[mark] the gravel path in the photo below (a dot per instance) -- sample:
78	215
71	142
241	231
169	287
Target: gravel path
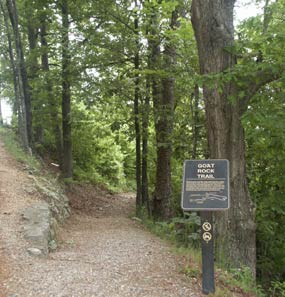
102	252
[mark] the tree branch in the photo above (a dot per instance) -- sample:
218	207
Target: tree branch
260	79
123	22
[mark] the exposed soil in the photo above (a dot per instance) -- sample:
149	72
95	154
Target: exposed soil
102	250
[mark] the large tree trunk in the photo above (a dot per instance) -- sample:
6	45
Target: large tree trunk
66	94
13	14
213	26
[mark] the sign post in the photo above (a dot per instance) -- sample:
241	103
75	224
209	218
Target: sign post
208	281
206	189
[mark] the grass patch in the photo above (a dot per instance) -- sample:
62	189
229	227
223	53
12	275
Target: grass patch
184	234
239	281
193	253
12	145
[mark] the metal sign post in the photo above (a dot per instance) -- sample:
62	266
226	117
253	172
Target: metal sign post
206	189
207	234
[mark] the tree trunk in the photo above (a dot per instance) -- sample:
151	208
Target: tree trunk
19	103
163	127
164	113
66	94
13	14
161	195
53	108
145	123
33	68
213	26
137	117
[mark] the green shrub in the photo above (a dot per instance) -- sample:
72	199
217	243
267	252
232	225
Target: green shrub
277	289
98	157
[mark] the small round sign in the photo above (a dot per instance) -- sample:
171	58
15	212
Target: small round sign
207	226
207	236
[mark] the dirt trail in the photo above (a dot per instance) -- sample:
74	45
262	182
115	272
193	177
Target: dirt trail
102	252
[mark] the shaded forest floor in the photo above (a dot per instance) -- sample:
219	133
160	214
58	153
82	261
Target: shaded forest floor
102	251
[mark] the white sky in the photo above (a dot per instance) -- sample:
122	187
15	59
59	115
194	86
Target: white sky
243	9
6	111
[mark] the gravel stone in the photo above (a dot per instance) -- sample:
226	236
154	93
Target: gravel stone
35	252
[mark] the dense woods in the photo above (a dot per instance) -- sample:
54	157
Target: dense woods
120	93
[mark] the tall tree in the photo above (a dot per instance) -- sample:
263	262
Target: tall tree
19	102
214	31
155	53
137	112
145	125
13	15
66	93
32	24
163	97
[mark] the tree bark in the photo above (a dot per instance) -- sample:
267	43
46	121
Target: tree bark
159	200
32	69
213	26
145	124
137	116
13	14
195	117
19	103
164	113
66	94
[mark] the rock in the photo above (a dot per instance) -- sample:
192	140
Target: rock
37	213
34	252
37	228
52	245
53	229
43	217
55	197
136	219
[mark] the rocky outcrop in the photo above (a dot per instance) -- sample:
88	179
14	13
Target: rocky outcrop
42	218
37	227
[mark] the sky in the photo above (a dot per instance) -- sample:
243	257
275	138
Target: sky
6	111
244	9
